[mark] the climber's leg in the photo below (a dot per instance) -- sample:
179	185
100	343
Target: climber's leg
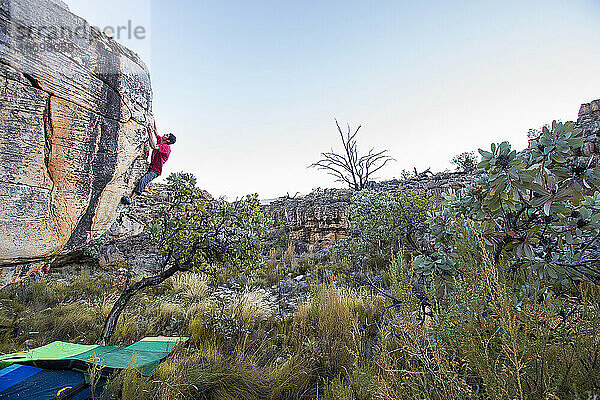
141	186
146	179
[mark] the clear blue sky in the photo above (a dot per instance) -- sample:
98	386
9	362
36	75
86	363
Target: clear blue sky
251	88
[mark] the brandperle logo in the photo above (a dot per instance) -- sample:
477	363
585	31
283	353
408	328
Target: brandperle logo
126	31
61	38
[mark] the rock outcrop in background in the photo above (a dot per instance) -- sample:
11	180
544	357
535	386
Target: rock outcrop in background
589	122
314	221
311	223
73	108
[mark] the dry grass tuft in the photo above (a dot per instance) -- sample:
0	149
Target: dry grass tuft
193	286
206	306
166	312
252	307
327	327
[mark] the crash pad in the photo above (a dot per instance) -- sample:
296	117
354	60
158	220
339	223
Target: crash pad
144	355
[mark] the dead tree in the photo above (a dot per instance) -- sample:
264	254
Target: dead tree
349	167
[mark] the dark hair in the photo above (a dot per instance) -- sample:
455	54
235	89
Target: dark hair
172	138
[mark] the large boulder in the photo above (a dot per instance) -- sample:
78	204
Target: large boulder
73	110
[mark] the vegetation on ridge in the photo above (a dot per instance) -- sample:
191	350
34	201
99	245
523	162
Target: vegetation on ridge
493	295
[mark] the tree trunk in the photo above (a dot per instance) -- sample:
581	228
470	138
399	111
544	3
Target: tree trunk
113	316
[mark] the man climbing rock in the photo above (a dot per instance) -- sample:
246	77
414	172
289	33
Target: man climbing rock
161	149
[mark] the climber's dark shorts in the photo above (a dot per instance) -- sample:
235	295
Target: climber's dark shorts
146	179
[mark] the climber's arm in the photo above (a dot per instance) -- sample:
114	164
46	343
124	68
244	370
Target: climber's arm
152	138
158	137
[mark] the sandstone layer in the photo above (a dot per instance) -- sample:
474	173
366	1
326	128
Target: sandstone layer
73	108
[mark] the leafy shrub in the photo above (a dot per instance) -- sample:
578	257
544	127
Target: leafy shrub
517	343
381	222
537	209
193	233
411	362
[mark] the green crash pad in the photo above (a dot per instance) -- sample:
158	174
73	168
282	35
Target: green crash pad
144	355
52	351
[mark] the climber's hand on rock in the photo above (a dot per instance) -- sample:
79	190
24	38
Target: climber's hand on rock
153	140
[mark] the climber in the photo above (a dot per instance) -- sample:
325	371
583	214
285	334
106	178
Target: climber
161	149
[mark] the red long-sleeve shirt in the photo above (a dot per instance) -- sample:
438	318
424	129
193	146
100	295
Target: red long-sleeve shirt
160	156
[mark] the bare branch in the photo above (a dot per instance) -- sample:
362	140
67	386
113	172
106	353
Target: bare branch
349	167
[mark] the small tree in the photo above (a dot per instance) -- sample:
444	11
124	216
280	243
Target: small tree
195	233
465	162
382	222
350	167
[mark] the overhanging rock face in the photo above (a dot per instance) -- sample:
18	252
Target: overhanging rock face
73	110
